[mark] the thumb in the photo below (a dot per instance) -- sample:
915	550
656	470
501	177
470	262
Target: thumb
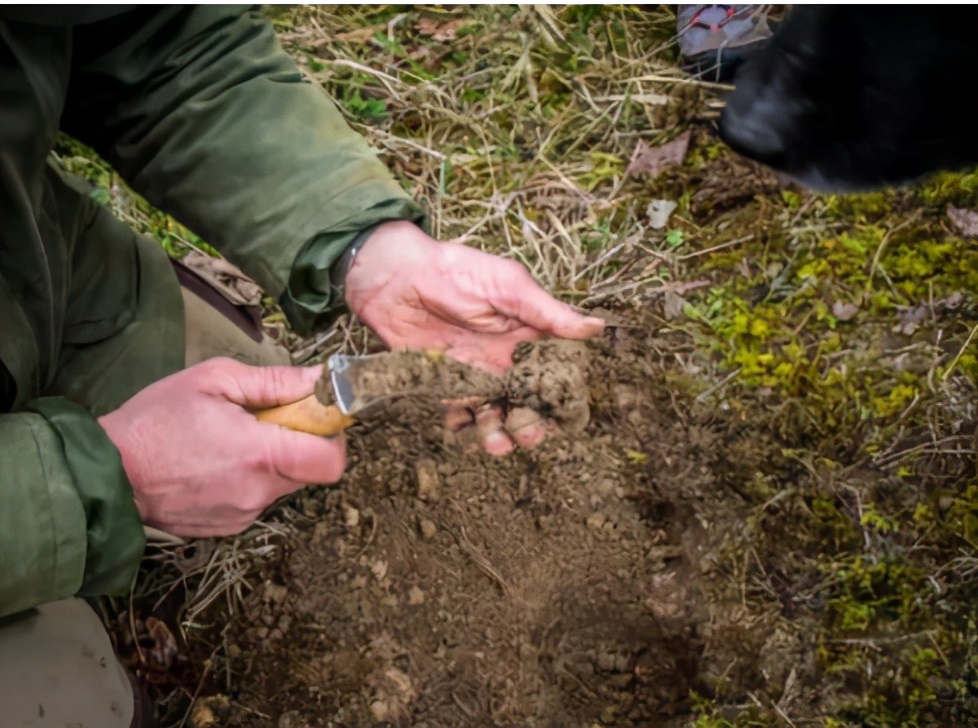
527	301
300	458
251	386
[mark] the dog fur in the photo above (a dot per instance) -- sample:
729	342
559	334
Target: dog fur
858	97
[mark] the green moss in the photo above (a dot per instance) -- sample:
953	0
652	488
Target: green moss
860	208
873	594
959	189
831	527
888	630
900	698
601	168
700	156
707	714
962	517
889	626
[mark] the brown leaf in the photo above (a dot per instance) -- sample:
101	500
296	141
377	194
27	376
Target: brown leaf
426	26
214	710
163	650
844	311
361	35
910	319
440	31
653	161
964	221
952	302
673	305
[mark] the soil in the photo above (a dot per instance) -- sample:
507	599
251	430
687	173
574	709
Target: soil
426	378
555	587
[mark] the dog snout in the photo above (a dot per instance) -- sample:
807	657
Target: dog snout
752	124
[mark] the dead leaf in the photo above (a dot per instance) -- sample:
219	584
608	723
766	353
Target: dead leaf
210	711
912	317
964	221
844	311
653	161
361	35
659	212
163	651
952	302
227	278
426	26
673	305
442	32
910	321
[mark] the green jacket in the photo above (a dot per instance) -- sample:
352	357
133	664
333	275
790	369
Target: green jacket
202	112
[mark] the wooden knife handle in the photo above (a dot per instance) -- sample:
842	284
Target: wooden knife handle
307	415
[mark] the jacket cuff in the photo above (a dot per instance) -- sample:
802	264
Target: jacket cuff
311	300
114	531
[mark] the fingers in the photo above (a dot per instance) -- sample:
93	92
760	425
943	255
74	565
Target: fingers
524	299
489	430
492	436
282	463
478	429
458	416
526	426
299	458
258	386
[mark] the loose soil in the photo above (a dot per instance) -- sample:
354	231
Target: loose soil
424	377
558	587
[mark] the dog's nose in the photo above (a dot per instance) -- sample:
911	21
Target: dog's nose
751	124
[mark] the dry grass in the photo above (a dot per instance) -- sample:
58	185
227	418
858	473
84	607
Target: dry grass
512	154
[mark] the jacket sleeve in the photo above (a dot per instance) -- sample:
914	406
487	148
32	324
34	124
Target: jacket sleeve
68	523
204	114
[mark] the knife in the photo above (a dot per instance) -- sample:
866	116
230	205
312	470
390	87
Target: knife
351	384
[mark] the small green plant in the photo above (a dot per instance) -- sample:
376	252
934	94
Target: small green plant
707	714
366	110
675	238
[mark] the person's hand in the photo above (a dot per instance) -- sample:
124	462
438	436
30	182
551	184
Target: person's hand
418	293
199	462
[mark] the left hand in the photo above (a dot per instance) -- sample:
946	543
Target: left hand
418	293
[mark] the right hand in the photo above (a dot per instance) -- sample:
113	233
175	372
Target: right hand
199	462
417	293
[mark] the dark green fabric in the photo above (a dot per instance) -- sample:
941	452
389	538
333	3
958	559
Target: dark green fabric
42	520
33	253
123	324
204	114
114	535
61	14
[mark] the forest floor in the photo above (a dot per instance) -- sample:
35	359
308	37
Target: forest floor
765	510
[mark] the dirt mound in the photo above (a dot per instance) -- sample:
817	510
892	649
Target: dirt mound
557	587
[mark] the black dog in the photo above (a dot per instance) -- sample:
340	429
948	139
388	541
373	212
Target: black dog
856	97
